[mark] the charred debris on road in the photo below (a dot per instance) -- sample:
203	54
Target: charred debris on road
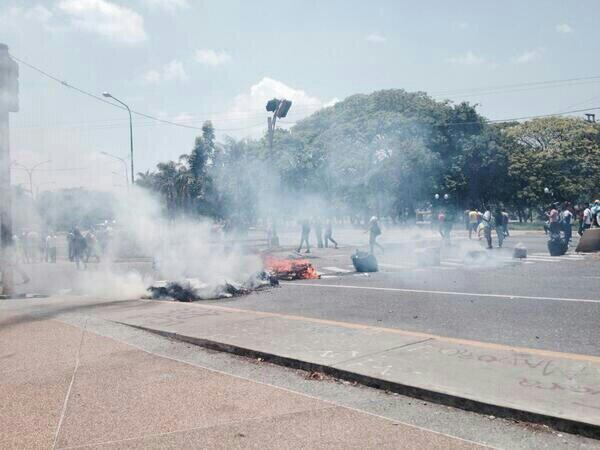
275	269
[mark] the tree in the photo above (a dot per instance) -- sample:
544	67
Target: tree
558	153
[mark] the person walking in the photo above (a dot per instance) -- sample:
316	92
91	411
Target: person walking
304	237
374	231
329	233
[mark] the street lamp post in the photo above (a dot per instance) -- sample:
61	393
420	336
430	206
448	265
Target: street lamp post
124	165
30	171
109	95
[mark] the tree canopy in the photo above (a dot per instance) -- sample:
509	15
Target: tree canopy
383	153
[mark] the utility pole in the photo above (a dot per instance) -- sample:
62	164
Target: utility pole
9	102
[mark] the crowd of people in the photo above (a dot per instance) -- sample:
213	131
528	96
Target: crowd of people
560	218
484	223
324	235
32	247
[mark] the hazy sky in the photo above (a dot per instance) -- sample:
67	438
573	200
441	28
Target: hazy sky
188	61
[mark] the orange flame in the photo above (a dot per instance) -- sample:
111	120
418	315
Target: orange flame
290	269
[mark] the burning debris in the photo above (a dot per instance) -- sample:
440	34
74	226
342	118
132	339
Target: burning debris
192	289
290	269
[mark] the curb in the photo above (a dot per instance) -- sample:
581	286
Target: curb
443	398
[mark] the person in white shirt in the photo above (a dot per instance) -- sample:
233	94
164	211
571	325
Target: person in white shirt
566	217
486	220
586	220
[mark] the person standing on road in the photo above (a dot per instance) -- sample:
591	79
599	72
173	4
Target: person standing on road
554	220
505	220
473	221
51	248
304	237
486	221
79	246
499	222
329	234
374	231
566	219
586	220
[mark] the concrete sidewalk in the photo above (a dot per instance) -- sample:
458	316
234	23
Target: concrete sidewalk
65	387
558	389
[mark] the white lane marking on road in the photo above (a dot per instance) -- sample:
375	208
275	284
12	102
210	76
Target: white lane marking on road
466	294
567	256
537	258
337	269
450	263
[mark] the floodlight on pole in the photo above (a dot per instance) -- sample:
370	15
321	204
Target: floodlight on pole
279	108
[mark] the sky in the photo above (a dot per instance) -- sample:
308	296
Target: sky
188	61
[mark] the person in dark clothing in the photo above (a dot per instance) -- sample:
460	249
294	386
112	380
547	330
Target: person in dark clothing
566	219
499	223
305	236
374	231
79	247
329	233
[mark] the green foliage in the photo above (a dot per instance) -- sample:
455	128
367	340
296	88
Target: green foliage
382	154
560	153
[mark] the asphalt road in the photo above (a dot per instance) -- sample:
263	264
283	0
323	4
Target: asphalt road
541	302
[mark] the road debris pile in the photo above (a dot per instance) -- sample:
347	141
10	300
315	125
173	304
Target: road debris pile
192	289
289	268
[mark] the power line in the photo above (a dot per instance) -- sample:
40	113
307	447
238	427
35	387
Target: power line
473	92
141	114
515	85
96	97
